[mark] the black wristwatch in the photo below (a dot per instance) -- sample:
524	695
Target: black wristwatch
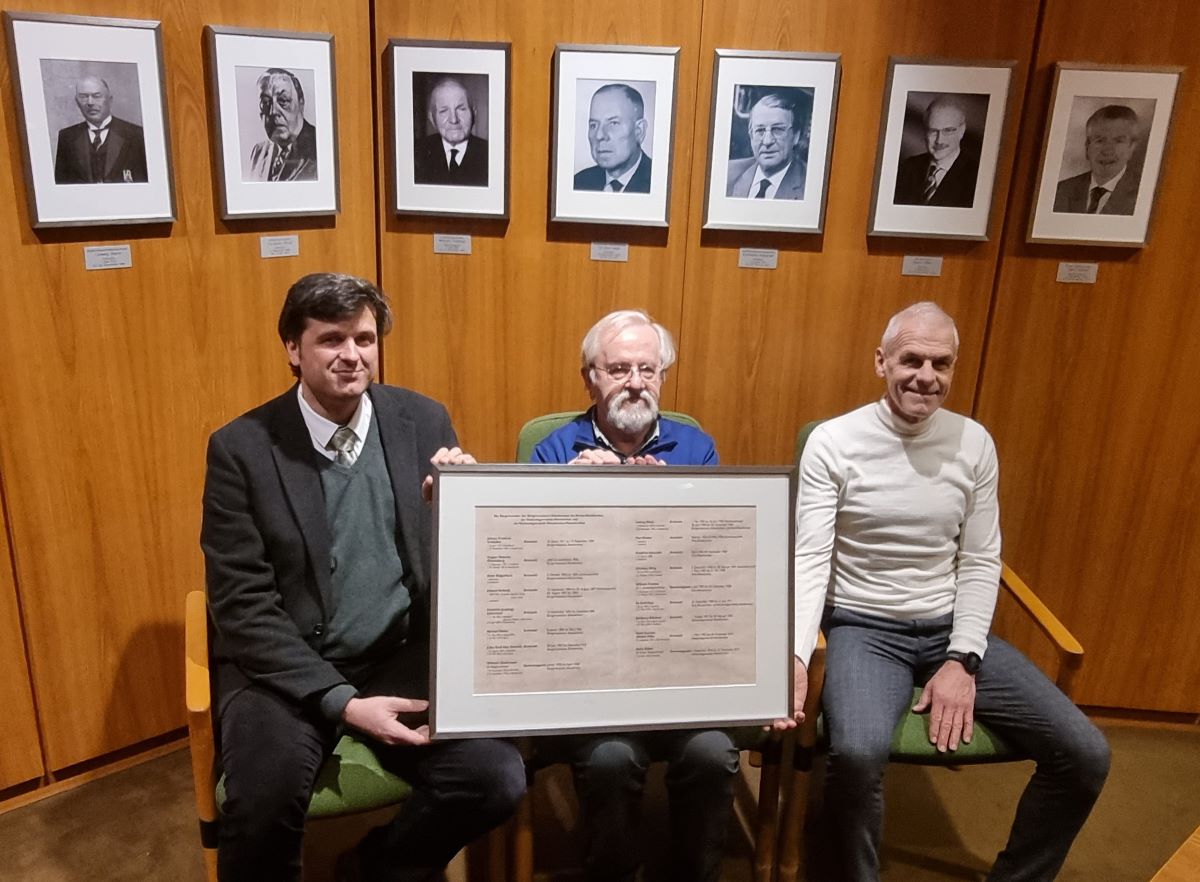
969	660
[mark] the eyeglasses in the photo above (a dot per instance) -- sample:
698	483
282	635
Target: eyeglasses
622	372
777	132
948	132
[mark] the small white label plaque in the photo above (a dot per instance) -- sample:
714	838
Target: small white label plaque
614	251
96	257
450	243
1078	273
915	265
758	258
278	246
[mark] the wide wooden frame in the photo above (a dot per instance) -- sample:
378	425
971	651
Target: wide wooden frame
485	71
237	58
579	72
465	703
983	90
1079	90
743	77
46	51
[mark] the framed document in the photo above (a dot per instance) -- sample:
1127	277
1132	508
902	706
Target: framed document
591	599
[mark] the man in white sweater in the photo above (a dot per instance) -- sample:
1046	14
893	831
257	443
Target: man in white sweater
898	560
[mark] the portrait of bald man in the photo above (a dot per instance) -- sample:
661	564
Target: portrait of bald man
452	154
946	172
102	148
1110	185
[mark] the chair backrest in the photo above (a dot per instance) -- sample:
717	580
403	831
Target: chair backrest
802	436
537	429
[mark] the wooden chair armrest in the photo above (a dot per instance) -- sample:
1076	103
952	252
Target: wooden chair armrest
198	694
806	735
1070	651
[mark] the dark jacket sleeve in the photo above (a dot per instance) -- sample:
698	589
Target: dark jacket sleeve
260	637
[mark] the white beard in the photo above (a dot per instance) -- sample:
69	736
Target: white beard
637	416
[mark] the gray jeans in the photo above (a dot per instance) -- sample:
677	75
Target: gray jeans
872	666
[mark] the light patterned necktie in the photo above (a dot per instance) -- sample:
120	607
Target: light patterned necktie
931	182
343	443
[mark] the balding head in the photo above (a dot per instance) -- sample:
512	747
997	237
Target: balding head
94	99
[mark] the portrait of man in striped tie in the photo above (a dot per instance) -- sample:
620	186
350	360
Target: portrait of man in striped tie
1110	184
289	152
945	173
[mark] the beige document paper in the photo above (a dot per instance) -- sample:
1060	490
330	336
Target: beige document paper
574	598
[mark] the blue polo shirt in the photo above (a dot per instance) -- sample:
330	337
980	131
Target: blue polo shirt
675	443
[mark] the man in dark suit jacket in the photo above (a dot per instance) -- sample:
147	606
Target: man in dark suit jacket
779	139
289	152
451	155
102	149
316	544
1111	186
947	173
616	128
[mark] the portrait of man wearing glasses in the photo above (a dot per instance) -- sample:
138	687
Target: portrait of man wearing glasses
624	362
289	152
945	173
779	139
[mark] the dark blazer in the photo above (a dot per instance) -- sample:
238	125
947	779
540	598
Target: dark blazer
741	176
957	189
124	155
594	178
266	539
1072	194
429	163
301	162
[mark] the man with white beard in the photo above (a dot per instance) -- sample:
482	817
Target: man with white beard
625	358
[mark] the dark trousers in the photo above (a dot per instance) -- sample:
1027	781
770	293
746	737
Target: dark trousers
271	750
610	773
872	665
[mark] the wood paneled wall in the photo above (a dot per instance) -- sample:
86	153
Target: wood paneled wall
121	375
1090	394
496	335
20	754
771	350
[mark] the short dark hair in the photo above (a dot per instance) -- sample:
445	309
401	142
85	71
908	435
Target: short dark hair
1114	112
634	96
330	297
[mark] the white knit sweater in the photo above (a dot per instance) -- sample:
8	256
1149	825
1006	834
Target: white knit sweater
900	521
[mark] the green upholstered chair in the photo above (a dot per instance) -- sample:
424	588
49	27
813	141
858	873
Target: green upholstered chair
534	431
910	740
765	749
350	782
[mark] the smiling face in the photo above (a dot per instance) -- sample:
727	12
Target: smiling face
337	362
944	130
773	136
281	109
918	366
93	99
615	131
626	408
450	112
1110	144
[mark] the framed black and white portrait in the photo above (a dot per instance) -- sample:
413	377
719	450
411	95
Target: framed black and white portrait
1102	154
940	135
614	112
771	140
274	110
449	127
93	118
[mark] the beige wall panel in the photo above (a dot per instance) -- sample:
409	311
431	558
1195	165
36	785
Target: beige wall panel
496	335
20	756
123	375
1090	394
763	352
